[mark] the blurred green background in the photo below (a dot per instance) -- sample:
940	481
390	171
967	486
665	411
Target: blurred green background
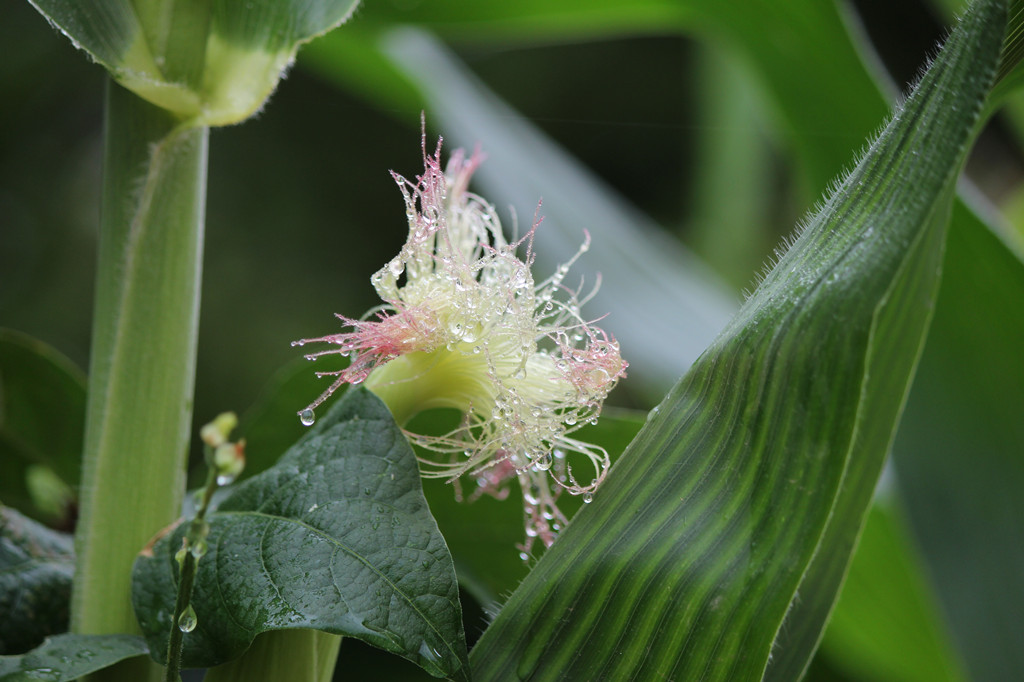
301	209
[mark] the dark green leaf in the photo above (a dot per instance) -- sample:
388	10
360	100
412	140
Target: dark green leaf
68	657
42	415
336	537
753	480
36	565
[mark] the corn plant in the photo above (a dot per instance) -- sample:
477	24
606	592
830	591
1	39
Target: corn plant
814	479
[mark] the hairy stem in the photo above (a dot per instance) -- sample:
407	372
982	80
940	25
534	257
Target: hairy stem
142	366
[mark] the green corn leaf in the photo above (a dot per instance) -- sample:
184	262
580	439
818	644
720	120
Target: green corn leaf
42	416
64	658
36	565
336	537
719	541
212	63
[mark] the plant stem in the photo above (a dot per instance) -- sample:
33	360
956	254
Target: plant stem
142	366
189	562
177	635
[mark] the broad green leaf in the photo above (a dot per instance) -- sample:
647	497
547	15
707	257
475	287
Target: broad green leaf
211	63
336	537
42	415
886	576
64	658
36	565
752	479
944	439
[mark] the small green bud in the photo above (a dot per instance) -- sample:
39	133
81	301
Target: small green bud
216	432
229	459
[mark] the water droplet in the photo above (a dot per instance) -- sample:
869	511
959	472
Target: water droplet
187	621
307	417
544	463
300	342
225	479
524	556
570	419
588	498
199	548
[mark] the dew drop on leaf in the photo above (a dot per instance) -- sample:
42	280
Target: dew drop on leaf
307	417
